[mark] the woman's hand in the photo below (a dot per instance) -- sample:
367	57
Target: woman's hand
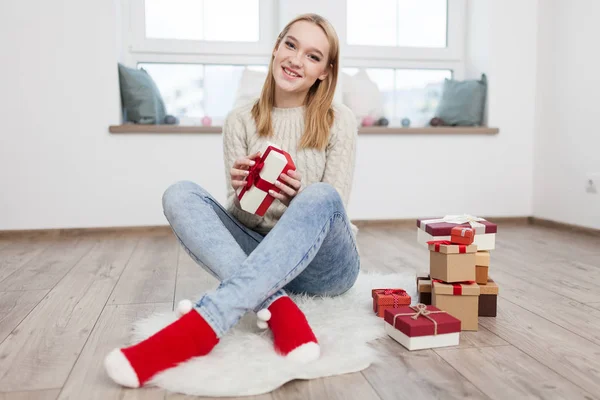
289	189
240	168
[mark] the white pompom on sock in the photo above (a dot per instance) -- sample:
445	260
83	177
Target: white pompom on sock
184	307
263	316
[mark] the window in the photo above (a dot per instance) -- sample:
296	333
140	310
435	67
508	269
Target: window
198	51
407	48
209	20
404	23
192	91
424	30
218	27
206	56
407	93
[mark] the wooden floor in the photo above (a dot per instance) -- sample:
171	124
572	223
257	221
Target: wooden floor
66	301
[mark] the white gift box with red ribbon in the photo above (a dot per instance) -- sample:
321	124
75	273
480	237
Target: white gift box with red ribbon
254	197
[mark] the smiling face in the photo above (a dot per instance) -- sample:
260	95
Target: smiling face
300	59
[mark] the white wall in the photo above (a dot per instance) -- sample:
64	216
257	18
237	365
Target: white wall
59	165
61	168
567	138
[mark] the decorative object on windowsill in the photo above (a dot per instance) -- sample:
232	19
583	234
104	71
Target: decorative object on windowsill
362	95
249	88
368	121
462	102
140	98
206	121
171	120
382	122
405	122
435	121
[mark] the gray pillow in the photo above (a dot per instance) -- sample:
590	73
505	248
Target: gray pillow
462	102
141	99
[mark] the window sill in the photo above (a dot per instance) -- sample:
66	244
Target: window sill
371	130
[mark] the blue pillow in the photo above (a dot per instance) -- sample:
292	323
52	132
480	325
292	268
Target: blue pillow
140	97
463	102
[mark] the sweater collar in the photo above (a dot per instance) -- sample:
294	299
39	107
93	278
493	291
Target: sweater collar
289	112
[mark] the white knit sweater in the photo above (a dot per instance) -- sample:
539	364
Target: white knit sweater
334	165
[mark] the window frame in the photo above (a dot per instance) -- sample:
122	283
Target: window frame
139	44
141	49
454	50
456	67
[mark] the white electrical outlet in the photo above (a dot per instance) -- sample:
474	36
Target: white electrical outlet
592	183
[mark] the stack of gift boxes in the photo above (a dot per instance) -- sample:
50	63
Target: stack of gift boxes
455	293
459	262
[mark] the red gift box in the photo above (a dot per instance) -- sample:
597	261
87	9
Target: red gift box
442	228
436	322
254	196
429	229
462	235
384	299
422	327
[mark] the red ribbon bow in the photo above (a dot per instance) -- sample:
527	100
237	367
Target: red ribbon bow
447	242
254	179
396	293
456	286
254	173
461	247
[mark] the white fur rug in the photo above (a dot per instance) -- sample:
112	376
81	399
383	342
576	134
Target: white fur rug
245	363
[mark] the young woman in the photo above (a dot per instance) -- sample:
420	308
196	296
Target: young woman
303	244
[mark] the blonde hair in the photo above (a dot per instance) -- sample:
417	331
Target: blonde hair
319	112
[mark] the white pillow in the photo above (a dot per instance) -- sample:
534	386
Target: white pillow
250	86
362	95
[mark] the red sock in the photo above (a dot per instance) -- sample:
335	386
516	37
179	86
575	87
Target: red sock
189	336
292	334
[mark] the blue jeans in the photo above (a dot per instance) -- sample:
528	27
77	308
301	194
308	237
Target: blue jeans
310	250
